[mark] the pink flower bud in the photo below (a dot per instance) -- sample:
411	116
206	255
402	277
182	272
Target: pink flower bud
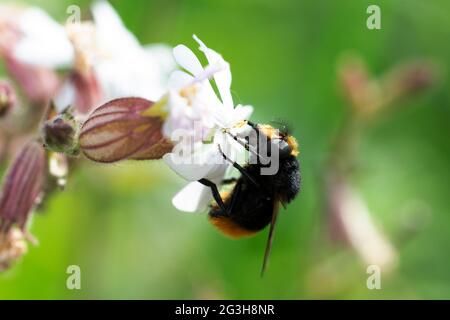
119	130
360	89
7	98
22	186
410	78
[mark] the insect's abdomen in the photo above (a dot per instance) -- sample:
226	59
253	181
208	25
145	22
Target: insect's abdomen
252	212
229	227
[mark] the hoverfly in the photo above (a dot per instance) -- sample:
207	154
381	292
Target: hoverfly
253	202
117	130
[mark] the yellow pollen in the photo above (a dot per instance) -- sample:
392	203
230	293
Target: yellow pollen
293	144
189	93
240	124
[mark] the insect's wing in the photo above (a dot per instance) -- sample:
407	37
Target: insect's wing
276	210
119	130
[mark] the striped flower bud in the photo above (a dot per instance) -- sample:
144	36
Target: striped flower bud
127	128
22	188
60	134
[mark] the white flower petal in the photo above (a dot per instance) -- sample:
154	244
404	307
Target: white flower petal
200	105
197	160
190	172
122	66
112	35
121	77
65	96
194	197
179	79
223	77
187	59
44	42
163	55
198	165
231	148
242	113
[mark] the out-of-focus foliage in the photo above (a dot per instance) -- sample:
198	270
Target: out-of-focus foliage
117	222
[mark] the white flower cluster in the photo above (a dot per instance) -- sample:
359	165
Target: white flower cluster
105	61
198	120
103	56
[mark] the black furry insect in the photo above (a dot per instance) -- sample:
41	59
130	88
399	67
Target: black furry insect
253	202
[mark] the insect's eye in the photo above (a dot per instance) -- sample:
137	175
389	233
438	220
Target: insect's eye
284	150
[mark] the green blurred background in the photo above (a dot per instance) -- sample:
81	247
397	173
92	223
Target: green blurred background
117	222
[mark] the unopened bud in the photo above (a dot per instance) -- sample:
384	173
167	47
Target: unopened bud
409	78
7	98
124	129
21	191
22	186
360	89
60	134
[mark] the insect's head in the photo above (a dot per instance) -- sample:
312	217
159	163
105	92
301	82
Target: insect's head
281	139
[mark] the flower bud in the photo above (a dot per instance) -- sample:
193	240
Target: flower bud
7	98
22	186
59	134
21	190
409	78
124	129
361	91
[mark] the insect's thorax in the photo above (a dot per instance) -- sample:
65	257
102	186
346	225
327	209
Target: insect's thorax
287	180
251	207
284	184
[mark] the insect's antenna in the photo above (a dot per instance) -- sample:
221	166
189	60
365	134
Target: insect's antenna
239	140
248	147
236	138
243	143
270	238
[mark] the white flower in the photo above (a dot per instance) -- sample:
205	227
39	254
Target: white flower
43	42
123	67
26	25
198	116
103	52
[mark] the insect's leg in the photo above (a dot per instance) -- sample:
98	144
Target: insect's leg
235	196
239	140
253	125
246	144
228	181
239	167
215	193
